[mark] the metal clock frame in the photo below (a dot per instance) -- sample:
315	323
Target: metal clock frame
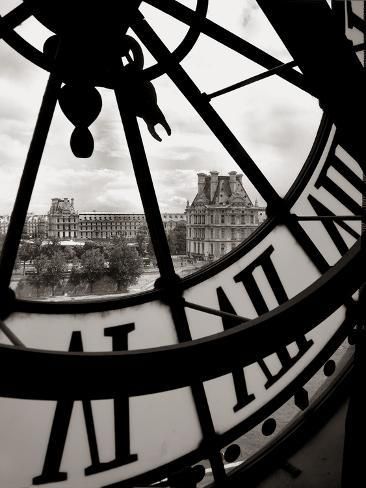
147	371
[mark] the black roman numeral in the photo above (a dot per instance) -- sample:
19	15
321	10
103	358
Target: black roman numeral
331	227
251	286
324	181
241	390
354	21
51	469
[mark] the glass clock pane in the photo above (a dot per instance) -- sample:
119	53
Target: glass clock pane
85	219
155	424
263	385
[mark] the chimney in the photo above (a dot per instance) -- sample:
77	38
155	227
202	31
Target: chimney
214	183
201	181
239	178
54	203
72	203
232	181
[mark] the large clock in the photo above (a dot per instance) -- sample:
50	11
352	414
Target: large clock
168	383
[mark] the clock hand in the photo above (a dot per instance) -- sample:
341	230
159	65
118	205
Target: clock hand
141	94
145	106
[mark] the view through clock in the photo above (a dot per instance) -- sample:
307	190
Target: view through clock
151	339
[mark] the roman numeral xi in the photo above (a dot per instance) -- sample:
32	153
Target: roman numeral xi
51	468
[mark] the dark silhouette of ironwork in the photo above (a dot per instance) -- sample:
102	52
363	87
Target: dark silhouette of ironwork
91	49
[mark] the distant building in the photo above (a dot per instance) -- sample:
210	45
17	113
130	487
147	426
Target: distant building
4	223
63	220
67	223
106	225
36	226
221	215
170	220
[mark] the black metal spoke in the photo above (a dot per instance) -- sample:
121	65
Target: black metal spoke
230	40
251	80
276	206
15	17
146	188
169	280
336	218
10	335
202	106
212	311
185	46
360	47
328	63
26	185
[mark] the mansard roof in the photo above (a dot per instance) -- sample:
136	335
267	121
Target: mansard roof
62	205
239	197
202	197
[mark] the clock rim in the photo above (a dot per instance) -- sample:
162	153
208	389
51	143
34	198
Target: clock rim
266	459
147	367
302	423
232	434
214	270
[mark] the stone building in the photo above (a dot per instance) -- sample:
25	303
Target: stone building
66	223
221	215
63	220
4	223
170	220
106	225
36	226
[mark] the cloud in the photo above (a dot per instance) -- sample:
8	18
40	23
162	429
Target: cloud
249	13
10	148
274	121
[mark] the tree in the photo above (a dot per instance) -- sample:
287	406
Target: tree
25	253
125	265
177	239
70	253
80	250
54	270
52	246
48	271
150	250
76	276
37	279
37	248
141	240
92	266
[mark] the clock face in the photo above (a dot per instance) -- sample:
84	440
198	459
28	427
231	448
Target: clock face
137	389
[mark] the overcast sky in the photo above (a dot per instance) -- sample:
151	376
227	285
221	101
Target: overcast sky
274	121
